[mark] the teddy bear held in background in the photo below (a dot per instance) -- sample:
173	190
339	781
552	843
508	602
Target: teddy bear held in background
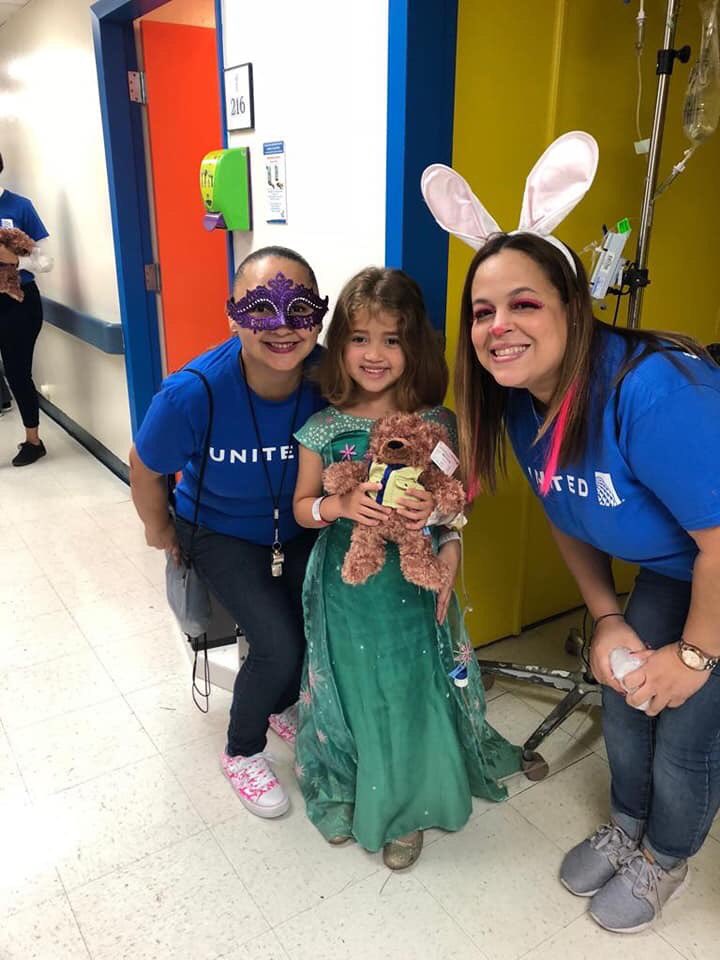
21	245
399	457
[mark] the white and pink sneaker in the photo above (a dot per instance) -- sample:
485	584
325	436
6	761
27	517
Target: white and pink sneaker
285	724
256	785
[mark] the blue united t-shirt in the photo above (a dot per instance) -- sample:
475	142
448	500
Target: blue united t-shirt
651	473
235	499
17	211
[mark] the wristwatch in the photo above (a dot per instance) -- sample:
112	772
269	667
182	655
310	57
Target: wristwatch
694	657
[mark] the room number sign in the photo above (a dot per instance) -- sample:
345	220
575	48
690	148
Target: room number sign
239	108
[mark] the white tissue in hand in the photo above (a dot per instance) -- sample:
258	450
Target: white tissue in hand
623	662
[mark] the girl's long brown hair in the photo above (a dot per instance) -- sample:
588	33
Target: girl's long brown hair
424	380
481	403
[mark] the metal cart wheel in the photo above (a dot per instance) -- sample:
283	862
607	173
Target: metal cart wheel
534	766
488	680
574	642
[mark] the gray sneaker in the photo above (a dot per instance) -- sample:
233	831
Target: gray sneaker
589	865
630	901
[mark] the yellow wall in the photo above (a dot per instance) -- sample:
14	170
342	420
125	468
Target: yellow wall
526	72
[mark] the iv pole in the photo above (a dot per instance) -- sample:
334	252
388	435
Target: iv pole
637	275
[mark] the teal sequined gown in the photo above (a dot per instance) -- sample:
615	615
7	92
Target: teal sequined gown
386	743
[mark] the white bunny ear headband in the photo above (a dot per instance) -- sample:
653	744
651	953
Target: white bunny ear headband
555	185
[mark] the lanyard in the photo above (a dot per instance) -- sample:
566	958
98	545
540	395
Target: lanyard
278	557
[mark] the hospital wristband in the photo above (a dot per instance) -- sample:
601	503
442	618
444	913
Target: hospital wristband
315	511
447	536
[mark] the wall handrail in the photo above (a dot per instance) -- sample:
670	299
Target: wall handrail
102	334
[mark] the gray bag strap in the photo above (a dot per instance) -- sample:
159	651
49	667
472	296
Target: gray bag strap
204	694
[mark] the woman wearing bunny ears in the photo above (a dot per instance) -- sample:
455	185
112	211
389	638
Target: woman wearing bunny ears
618	433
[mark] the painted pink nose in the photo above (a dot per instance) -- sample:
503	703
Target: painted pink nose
499	326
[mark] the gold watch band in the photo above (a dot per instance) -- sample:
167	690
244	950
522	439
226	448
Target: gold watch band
694	658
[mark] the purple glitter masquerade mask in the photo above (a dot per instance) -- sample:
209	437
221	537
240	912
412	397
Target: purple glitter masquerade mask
292	305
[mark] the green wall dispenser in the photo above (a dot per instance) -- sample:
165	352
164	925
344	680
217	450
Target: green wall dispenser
225	189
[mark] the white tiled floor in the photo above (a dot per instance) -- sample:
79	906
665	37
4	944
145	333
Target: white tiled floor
119	837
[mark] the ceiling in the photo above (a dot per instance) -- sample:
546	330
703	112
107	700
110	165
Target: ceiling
201	13
9	7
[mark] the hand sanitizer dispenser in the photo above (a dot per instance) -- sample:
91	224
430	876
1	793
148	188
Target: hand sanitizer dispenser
225	189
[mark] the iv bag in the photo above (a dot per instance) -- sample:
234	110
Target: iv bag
701	110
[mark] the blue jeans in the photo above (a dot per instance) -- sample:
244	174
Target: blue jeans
665	770
269	611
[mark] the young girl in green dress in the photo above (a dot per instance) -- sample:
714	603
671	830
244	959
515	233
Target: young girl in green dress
387	745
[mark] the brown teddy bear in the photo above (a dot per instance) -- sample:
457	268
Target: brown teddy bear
400	449
21	245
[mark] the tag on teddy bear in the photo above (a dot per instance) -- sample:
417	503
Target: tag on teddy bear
443	457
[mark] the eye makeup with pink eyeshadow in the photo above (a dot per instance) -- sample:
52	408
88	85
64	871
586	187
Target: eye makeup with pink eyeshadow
482	313
522	304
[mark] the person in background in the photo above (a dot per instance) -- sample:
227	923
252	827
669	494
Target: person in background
21	321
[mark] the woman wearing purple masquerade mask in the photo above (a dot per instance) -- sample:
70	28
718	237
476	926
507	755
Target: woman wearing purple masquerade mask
294	305
246	545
